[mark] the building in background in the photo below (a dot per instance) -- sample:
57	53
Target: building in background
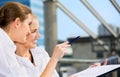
102	31
37	8
26	2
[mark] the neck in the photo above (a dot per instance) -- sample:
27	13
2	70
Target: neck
22	50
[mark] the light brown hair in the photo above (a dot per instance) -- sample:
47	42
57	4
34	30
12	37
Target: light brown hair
11	10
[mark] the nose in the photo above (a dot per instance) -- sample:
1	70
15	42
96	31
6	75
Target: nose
38	34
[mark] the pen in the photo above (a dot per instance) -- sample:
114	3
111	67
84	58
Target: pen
71	41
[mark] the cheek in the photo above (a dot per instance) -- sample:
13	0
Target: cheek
26	28
31	37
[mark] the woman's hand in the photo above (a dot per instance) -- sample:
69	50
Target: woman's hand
98	64
60	50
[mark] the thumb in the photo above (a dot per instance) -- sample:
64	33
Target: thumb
105	62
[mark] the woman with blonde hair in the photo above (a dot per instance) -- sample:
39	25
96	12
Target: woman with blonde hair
35	59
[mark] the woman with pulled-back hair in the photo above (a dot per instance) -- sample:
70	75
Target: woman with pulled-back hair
15	19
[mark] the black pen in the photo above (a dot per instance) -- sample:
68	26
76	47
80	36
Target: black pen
71	41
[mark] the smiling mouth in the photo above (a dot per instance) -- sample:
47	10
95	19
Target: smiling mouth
35	41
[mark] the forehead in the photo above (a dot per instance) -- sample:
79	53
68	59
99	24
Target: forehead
34	24
29	18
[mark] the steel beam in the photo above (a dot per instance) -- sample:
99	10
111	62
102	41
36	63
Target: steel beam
81	24
115	5
92	10
50	25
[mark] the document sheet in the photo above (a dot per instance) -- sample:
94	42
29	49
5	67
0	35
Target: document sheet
97	71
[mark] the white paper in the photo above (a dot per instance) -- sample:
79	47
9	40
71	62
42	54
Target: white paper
96	71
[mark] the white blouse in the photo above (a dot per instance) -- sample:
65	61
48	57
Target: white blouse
41	59
9	66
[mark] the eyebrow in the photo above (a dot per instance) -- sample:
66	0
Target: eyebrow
30	22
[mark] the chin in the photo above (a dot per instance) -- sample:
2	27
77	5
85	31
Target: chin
21	41
33	46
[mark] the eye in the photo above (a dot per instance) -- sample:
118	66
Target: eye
33	31
29	23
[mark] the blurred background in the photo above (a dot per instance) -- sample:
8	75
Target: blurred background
97	22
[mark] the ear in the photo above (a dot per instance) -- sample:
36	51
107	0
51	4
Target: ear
17	22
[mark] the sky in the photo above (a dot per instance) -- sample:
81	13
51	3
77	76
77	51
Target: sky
68	28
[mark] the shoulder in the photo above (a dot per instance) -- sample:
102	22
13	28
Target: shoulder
39	51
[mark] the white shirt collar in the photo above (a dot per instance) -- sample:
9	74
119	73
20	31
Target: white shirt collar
5	39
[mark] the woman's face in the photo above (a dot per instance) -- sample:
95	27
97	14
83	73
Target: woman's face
24	29
34	35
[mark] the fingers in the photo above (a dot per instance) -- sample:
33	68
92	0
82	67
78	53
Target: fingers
94	65
105	62
65	44
60	50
